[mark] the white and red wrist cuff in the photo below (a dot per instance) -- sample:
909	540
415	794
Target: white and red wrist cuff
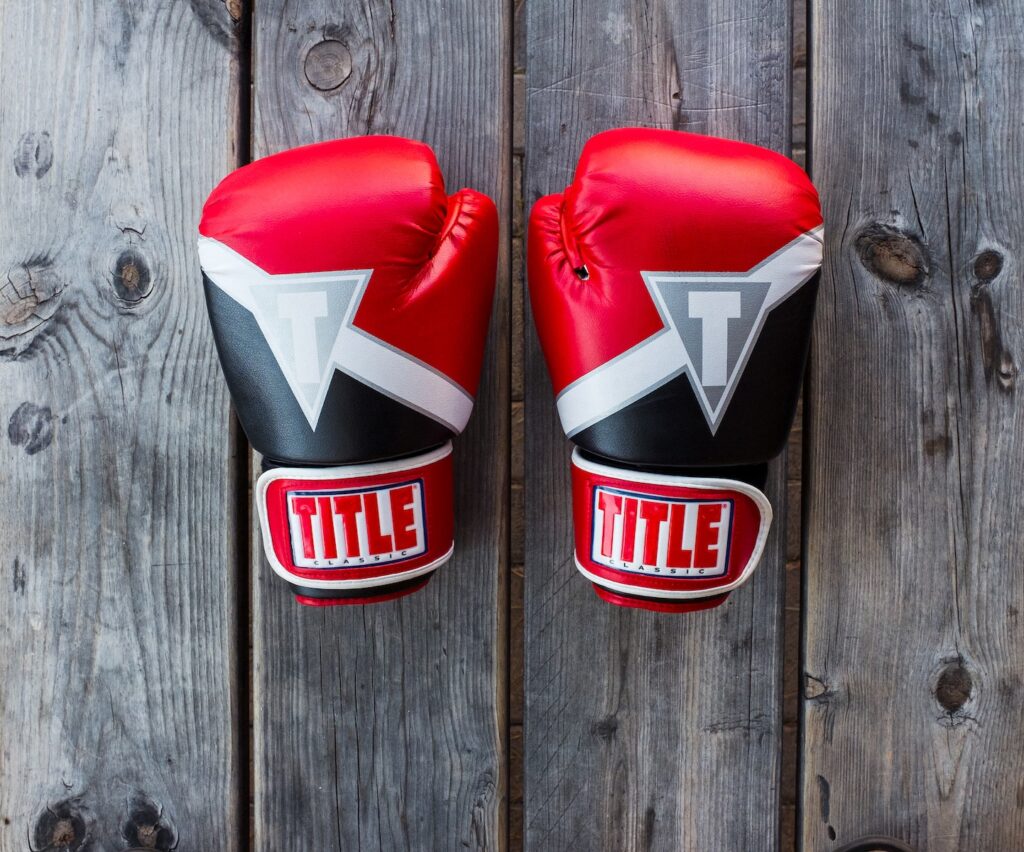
665	543
358	533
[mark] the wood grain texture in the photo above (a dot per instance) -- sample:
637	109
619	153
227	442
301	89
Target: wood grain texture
384	727
117	614
914	649
645	731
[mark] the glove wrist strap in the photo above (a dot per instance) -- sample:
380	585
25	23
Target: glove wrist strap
358	533
662	542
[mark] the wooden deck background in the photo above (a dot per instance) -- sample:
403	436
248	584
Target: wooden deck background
160	690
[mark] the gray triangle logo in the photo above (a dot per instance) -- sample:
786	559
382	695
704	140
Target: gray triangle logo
308	321
302	319
718	319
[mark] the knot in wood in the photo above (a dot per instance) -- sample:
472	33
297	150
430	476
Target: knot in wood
328	64
954	686
62	826
893	255
64	833
606	728
34	155
19	311
31	427
29	296
132	281
816	689
146	826
987	265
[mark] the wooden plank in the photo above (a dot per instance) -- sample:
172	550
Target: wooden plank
645	731
384	727
118	656
914	650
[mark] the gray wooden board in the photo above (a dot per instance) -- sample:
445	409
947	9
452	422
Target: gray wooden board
914	644
384	727
118	661
645	731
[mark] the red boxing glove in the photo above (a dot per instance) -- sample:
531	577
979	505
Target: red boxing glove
349	297
673	286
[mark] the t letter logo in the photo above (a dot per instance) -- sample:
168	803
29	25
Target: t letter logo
714	310
302	310
717	319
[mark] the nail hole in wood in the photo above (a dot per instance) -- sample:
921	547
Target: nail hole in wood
328	64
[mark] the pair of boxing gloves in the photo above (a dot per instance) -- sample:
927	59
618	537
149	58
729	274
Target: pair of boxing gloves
672	285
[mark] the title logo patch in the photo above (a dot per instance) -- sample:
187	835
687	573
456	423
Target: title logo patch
644	534
356	527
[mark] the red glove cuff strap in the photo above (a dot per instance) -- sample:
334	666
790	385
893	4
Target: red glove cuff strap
358	527
664	542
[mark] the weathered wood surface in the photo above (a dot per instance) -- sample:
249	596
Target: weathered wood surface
914	649
385	727
118	655
645	731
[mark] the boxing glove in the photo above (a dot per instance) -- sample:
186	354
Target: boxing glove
349	298
672	286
